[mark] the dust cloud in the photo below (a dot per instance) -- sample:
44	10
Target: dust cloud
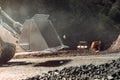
83	25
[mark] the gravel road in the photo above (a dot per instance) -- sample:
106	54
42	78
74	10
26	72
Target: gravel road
18	69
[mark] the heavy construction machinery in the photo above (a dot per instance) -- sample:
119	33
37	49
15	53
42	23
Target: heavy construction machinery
36	34
95	46
82	45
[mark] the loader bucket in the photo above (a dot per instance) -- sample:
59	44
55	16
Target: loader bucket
39	34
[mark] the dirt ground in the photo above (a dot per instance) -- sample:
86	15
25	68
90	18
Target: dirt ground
23	67
62	53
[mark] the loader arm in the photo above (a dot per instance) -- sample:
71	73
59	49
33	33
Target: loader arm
16	28
36	34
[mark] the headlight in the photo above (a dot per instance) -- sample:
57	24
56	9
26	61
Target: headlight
85	46
81	46
78	46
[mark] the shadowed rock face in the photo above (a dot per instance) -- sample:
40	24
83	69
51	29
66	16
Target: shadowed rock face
7	51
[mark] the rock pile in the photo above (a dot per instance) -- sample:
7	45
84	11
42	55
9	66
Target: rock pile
116	45
107	71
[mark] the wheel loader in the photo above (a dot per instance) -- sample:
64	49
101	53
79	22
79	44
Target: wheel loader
35	34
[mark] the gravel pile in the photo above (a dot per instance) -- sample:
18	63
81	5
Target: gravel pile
115	47
107	71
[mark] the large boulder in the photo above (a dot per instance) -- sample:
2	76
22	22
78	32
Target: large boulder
7	51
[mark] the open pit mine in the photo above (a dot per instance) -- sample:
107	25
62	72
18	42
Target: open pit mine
35	51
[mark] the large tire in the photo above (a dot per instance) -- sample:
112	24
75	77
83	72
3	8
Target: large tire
7	51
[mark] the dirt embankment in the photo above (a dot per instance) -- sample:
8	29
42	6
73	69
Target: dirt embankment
116	45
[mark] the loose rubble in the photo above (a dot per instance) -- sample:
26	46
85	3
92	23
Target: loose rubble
107	71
